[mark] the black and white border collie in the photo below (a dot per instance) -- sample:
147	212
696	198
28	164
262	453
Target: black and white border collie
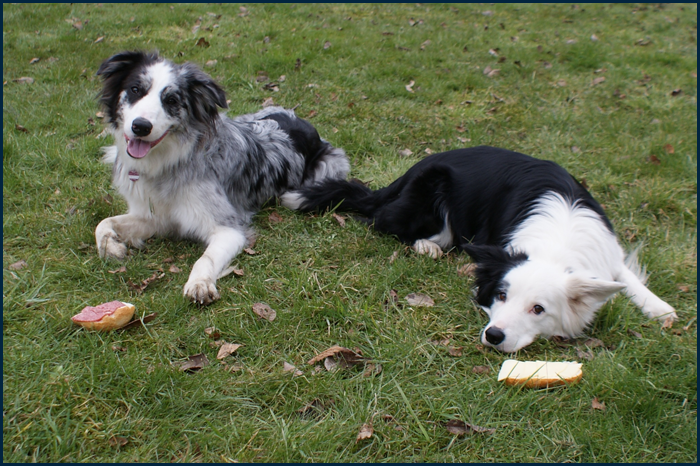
547	257
188	171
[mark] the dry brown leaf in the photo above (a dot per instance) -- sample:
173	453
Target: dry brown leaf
138	288
405	152
250	251
633	333
227	349
593	343
274	217
118	348
312	114
455	350
668	323
344	355
137	322
598	80
312	409
420	299
24	80
212	333
588	354
684	288
99	39
481	370
19	265
117	441
326	45
669	149
21	128
674	93
339	219
443	342
121	269
425	44
289	368
467	270
595	404
366	432
211	63
409	86
78	25
34	60
458	427
654	159
428	150
372	369
264	311
174	269
202	42
268	102
193	363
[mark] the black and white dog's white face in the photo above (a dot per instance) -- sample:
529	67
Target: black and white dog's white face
147	98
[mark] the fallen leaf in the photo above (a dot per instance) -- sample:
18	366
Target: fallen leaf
668	323
457	427
330	364
669	149
19	265
428	150
595	404
455	351
78	25
202	42
481	370
312	114
409	86
393	257
117	441
250	251
21	128
312	409
345	356
264	311
274	217
99	39
326	45
460	128
643	42
593	343
493	53
419	299
491	72
34	60
227	349
243	11
289	368
372	369
684	288
193	363
405	152
588	354
144	283
575	149
366	432
118	348
654	159
268	102
561	83
282	78
467	270
594	38
339	219
597	80
211	63
212	333
137	322
633	333
121	269
24	80
571	41
174	269
425	44
674	93
546	65
443	342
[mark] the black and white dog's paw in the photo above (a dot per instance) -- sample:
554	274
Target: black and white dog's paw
108	244
201	290
425	246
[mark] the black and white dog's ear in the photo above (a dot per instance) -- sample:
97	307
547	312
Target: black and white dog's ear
493	262
487	254
204	94
114	71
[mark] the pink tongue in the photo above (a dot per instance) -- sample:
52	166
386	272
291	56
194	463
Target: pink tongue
138	148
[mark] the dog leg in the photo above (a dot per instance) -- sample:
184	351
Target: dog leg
425	246
113	233
223	246
651	305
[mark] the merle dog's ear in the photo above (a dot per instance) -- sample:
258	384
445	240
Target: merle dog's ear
204	94
114	71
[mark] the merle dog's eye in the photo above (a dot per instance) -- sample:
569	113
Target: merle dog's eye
501	296
171	101
135	90
537	309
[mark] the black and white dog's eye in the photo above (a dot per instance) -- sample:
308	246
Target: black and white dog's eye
537	309
135	90
501	296
171	101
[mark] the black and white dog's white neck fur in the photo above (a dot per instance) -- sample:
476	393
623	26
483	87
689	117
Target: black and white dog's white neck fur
547	257
186	170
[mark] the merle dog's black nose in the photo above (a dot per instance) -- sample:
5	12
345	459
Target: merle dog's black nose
495	335
141	127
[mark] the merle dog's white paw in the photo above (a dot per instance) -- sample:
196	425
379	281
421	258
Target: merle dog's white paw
108	245
424	246
201	291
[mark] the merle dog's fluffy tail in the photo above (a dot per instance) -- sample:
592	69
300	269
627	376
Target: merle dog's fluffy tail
347	196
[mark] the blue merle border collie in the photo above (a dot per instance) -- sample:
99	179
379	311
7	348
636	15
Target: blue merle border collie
547	257
188	171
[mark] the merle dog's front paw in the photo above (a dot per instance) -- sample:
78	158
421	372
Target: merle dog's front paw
201	291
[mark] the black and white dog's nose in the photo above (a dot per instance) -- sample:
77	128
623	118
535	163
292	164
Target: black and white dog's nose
495	335
141	127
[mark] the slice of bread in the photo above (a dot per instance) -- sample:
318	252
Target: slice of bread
538	374
107	316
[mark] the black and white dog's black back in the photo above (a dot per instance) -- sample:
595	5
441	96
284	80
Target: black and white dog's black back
547	255
188	171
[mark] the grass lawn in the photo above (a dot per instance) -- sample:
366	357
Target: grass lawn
607	91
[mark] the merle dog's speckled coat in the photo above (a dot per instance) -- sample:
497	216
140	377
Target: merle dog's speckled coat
188	171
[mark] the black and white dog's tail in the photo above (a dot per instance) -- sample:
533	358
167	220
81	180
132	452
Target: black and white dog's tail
347	196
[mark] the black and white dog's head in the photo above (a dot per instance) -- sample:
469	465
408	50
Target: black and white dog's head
147	97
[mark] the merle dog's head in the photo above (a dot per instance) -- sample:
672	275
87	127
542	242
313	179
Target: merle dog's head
526	298
146	97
